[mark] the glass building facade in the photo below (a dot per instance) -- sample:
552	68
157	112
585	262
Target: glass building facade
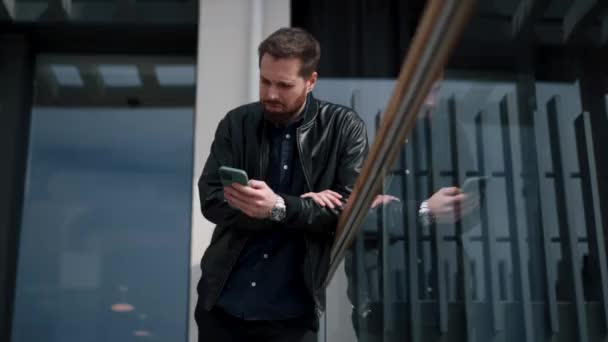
107	112
98	115
516	123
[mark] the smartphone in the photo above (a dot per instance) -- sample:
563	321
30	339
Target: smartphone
230	175
472	184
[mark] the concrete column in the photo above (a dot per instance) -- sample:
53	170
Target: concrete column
226	70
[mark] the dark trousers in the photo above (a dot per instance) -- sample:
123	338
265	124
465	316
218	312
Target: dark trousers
219	326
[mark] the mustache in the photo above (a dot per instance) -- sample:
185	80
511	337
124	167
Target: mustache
272	102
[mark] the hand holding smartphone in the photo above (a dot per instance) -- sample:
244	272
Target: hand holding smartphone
473	184
229	175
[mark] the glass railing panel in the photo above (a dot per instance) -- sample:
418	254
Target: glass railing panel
521	144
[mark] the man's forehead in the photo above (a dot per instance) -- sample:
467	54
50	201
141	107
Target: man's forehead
274	59
278	74
287	65
279	77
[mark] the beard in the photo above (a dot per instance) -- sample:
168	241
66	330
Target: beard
279	113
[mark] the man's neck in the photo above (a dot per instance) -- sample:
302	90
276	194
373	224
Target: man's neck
299	114
294	118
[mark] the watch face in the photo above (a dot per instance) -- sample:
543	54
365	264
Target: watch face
426	219
279	211
281	215
278	214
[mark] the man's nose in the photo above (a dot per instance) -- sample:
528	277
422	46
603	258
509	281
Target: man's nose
273	94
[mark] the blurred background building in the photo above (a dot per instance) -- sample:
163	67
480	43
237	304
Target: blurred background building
108	110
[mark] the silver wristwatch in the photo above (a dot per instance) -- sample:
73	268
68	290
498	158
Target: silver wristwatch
425	215
279	211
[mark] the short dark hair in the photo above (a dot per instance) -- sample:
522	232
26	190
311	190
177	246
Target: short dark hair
290	42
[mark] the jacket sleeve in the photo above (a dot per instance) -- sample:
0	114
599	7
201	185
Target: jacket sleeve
211	190
303	213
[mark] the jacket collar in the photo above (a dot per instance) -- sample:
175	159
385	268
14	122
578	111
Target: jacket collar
310	110
307	116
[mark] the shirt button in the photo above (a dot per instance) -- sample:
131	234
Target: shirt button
407	172
253	284
265	256
285	167
287	136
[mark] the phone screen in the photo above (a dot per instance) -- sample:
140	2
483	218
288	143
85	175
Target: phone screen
473	184
231	175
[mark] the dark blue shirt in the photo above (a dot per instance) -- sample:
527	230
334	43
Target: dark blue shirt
266	282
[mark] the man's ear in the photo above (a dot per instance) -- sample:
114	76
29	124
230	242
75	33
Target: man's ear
311	82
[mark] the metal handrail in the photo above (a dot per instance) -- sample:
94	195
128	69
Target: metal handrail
439	31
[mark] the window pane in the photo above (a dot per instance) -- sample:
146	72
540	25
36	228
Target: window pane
516	252
105	236
158	12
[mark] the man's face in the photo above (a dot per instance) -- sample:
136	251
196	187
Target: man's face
282	90
430	102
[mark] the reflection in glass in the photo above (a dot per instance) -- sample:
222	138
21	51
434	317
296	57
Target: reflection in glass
67	75
175	75
160	12
105	236
120	75
520	262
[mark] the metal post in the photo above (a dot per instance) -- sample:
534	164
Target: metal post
489	236
520	264
567	234
591	205
411	231
463	260
535	215
436	237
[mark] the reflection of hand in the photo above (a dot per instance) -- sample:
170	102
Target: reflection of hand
255	200
324	198
383	199
450	205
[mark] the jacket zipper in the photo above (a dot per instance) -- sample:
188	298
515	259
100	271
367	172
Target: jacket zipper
264	158
318	310
301	162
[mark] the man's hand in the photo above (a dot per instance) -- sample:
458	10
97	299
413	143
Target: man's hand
450	205
382	200
324	198
255	200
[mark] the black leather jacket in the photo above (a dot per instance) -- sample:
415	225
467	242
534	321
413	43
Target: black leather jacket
332	146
